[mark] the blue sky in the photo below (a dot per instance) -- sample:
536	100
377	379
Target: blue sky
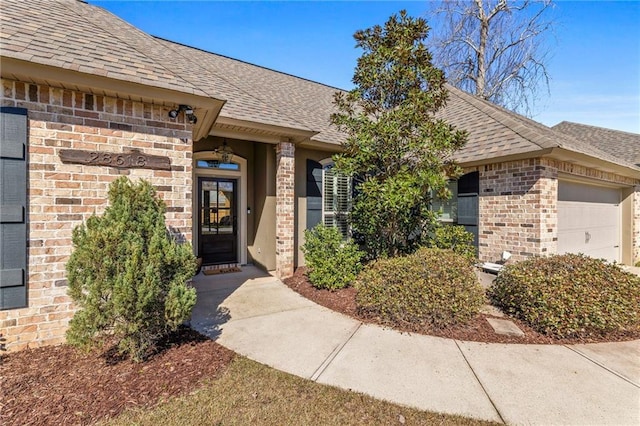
594	69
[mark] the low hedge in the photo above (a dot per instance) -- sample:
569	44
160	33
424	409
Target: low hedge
332	262
569	295
432	287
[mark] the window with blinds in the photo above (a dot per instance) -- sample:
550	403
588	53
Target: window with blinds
336	199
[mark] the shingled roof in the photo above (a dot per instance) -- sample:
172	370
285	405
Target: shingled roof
262	95
76	36
623	145
496	132
101	44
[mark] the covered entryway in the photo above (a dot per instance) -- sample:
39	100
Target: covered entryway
219	209
589	220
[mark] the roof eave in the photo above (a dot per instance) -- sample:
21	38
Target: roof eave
268	133
560	154
207	108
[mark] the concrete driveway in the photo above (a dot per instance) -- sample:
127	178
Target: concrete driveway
256	315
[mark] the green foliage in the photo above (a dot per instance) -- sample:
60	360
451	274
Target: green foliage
569	295
431	287
332	263
396	150
127	274
456	238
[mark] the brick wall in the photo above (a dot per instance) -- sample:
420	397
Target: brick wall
61	196
285	195
518	206
517	209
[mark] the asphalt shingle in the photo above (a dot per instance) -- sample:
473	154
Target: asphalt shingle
623	145
100	43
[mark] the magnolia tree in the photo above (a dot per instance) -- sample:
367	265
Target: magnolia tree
127	274
397	150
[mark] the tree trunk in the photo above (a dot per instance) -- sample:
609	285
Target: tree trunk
481	69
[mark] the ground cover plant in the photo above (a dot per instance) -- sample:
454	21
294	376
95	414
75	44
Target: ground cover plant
570	295
332	262
431	286
127	274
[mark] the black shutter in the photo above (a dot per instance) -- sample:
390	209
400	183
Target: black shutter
468	203
13	208
314	193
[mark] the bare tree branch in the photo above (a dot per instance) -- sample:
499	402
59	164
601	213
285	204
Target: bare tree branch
495	49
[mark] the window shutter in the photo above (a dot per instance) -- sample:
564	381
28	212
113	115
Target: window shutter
314	193
13	207
468	214
328	200
337	200
343	203
467	209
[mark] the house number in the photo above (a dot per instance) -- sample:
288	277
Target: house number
117	160
126	160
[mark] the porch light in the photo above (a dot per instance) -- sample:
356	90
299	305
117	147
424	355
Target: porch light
225	152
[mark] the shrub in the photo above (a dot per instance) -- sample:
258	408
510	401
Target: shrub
127	274
332	263
456	238
432	287
569	295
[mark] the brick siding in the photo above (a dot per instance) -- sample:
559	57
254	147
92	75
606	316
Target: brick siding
518	206
61	196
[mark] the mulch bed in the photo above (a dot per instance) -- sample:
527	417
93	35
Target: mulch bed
63	386
477	330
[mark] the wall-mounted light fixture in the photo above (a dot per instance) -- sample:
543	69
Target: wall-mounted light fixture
225	152
188	112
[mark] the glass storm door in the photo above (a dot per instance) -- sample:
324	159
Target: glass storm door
217	222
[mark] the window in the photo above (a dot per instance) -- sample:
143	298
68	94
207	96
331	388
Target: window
448	208
215	164
336	199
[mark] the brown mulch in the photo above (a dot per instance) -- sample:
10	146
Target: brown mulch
477	330
61	385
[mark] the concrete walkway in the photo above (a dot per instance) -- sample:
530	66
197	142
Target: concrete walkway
255	315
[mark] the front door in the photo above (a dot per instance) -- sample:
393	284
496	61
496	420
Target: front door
217	221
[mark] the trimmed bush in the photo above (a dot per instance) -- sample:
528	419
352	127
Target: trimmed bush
431	287
569	295
127	274
456	238
332	263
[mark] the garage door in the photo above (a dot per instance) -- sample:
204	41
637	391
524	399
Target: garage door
589	220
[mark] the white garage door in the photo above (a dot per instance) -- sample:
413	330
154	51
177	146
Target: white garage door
589	220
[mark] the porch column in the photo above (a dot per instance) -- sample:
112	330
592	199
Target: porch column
285	171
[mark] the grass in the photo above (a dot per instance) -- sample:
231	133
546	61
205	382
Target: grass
251	393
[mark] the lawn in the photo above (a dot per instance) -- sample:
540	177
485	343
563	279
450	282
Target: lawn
191	380
251	393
